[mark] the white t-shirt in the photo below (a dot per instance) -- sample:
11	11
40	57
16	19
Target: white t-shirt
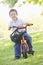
17	23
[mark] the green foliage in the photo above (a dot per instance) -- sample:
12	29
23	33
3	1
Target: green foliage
11	3
36	1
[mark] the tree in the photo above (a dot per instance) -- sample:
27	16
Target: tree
36	1
11	3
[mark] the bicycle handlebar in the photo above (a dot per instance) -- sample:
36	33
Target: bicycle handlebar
22	27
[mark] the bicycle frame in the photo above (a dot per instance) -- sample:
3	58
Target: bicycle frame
23	41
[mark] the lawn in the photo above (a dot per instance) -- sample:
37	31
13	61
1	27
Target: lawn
7	52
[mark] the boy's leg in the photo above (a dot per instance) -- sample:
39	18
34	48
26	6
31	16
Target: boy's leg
29	41
17	50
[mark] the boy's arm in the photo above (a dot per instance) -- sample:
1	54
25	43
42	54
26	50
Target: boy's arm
10	25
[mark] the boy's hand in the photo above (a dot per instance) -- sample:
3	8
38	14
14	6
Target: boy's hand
31	24
22	26
10	27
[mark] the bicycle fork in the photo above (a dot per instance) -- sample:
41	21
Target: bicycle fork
23	41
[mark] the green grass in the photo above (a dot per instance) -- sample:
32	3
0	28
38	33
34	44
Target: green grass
7	52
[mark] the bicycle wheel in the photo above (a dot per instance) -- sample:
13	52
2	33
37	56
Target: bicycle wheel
24	50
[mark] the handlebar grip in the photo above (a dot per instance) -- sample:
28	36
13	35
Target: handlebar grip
29	24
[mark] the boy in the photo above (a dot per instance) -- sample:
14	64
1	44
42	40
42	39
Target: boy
18	23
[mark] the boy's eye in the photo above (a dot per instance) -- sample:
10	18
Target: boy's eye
12	14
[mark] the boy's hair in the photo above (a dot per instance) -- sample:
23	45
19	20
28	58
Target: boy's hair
13	10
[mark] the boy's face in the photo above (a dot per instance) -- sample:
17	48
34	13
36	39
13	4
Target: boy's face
13	14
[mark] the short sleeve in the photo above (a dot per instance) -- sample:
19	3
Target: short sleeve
10	24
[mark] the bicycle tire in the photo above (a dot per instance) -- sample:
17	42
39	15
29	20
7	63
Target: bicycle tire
24	51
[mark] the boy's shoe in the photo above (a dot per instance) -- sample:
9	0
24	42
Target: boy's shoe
31	52
16	58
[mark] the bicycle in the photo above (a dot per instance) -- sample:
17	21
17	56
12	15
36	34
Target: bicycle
16	37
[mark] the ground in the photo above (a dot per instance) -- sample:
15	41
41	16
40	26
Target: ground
7	52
